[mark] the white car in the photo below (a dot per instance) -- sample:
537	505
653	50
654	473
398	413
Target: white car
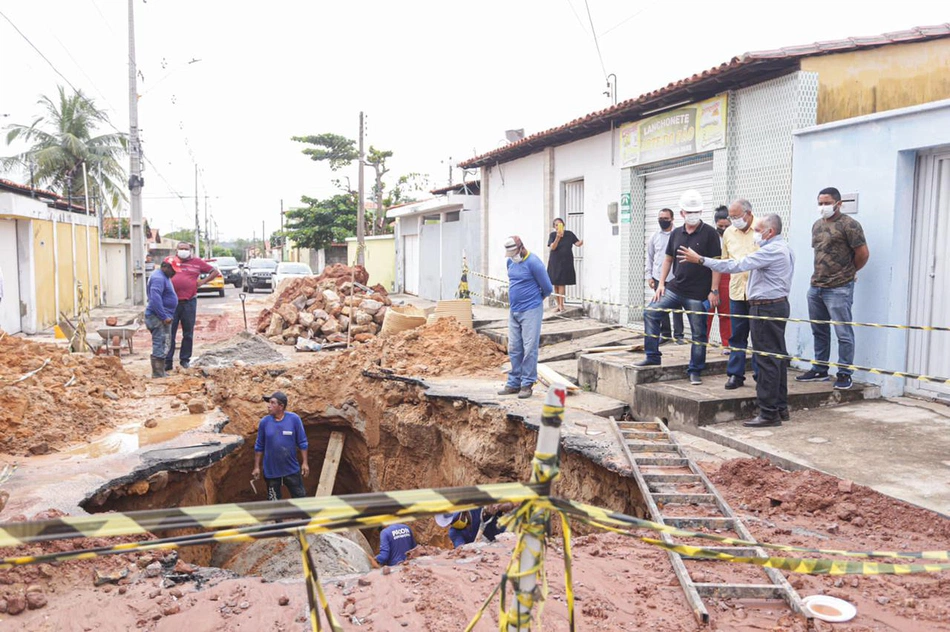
290	270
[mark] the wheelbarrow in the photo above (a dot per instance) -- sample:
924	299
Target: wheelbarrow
118	337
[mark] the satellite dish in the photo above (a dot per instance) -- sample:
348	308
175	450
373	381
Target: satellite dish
514	135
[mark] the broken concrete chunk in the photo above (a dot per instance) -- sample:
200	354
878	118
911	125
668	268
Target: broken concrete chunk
99	578
196	407
370	306
330	327
363	318
344	322
275	327
288	313
319	314
380	315
304	319
300	302
330	296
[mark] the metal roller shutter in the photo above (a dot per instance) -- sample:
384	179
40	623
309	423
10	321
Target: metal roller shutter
9	266
663	189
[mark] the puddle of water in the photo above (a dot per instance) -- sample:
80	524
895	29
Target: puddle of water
127	439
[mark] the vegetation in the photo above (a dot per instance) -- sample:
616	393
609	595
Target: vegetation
322	222
62	139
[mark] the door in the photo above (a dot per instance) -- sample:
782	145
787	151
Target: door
663	189
929	351
574	222
9	268
410	253
116	267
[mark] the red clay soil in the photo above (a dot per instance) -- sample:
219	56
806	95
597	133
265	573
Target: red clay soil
620	583
42	410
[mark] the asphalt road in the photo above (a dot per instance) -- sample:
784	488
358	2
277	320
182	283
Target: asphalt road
230	296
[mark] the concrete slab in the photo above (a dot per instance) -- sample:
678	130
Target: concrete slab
571	349
614	374
566	368
899	447
708	403
556	330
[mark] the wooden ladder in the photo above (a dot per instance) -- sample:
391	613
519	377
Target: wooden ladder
659	466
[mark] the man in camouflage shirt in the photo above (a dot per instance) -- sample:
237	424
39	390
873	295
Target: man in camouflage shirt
840	251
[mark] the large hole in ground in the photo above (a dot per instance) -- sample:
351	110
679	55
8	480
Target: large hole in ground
401	441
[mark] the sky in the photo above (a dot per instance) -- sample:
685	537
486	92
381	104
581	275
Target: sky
224	85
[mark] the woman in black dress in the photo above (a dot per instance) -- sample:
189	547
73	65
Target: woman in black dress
561	262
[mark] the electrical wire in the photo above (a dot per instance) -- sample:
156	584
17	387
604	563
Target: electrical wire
596	42
40	53
579	21
627	19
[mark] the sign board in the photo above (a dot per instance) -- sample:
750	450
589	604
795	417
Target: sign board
691	129
625	208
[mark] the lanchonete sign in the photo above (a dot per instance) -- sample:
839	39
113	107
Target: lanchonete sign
691	129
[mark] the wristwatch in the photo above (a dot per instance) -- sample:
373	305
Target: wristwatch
702	261
714	292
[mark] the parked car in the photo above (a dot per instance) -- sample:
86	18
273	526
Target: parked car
228	266
216	285
289	270
257	274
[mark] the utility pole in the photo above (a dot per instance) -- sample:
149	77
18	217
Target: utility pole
361	208
135	175
283	238
263	241
450	172
197	221
208	253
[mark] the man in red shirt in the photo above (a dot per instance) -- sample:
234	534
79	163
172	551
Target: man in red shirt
186	285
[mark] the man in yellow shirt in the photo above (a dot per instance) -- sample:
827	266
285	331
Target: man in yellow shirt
738	242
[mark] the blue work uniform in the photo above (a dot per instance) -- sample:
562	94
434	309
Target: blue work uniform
467	535
395	541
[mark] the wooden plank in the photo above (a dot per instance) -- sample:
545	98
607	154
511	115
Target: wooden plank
330	464
548	376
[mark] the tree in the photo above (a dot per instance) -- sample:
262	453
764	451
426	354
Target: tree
376	159
182	234
63	138
338	150
322	222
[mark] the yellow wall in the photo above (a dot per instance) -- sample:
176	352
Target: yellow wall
44	264
380	257
880	79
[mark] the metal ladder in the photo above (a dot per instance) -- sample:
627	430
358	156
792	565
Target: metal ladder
658	463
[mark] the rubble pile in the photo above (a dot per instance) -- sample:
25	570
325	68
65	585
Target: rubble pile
326	308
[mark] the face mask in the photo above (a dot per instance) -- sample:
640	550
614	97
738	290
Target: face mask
517	258
665	223
184	254
826	210
739	223
720	230
692	219
757	238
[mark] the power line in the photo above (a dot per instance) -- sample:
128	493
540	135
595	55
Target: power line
627	19
40	53
579	22
596	43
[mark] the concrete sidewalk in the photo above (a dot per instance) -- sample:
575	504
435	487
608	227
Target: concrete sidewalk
899	447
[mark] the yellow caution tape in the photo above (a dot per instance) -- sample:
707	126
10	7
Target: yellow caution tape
315	594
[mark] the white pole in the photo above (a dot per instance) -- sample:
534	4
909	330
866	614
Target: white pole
56	265
99	234
549	439
72	222
136	182
85	188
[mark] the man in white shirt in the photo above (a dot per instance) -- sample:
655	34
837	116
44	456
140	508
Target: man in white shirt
656	251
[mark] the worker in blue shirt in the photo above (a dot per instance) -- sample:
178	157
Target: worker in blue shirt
280	435
464	525
528	286
395	541
162	301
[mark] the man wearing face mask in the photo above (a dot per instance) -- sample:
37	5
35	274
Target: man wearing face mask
186	284
656	253
693	287
770	270
840	251
528	286
162	302
737	243
721	217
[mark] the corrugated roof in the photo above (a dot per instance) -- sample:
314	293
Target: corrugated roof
51	199
747	69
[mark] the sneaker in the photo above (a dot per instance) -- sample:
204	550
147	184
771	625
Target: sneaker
509	390
525	392
186	364
647	363
813	376
734	382
694	379
842	382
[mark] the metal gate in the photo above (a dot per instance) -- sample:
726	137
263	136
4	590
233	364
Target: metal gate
9	268
663	188
928	352
410	252
574	222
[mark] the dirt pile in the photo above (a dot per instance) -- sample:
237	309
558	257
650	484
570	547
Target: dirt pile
442	347
325	309
72	397
244	348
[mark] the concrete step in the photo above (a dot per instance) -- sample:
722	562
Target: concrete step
571	349
556	330
614	374
681	404
493	321
567	368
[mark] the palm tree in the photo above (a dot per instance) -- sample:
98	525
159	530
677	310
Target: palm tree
62	140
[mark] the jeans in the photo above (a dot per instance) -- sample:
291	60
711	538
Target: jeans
294	483
740	340
160	335
832	304
185	313
771	389
676	331
697	326
524	338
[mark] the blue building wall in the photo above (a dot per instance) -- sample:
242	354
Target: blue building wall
874	156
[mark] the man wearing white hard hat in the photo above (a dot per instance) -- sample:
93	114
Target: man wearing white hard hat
693	287
528	286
